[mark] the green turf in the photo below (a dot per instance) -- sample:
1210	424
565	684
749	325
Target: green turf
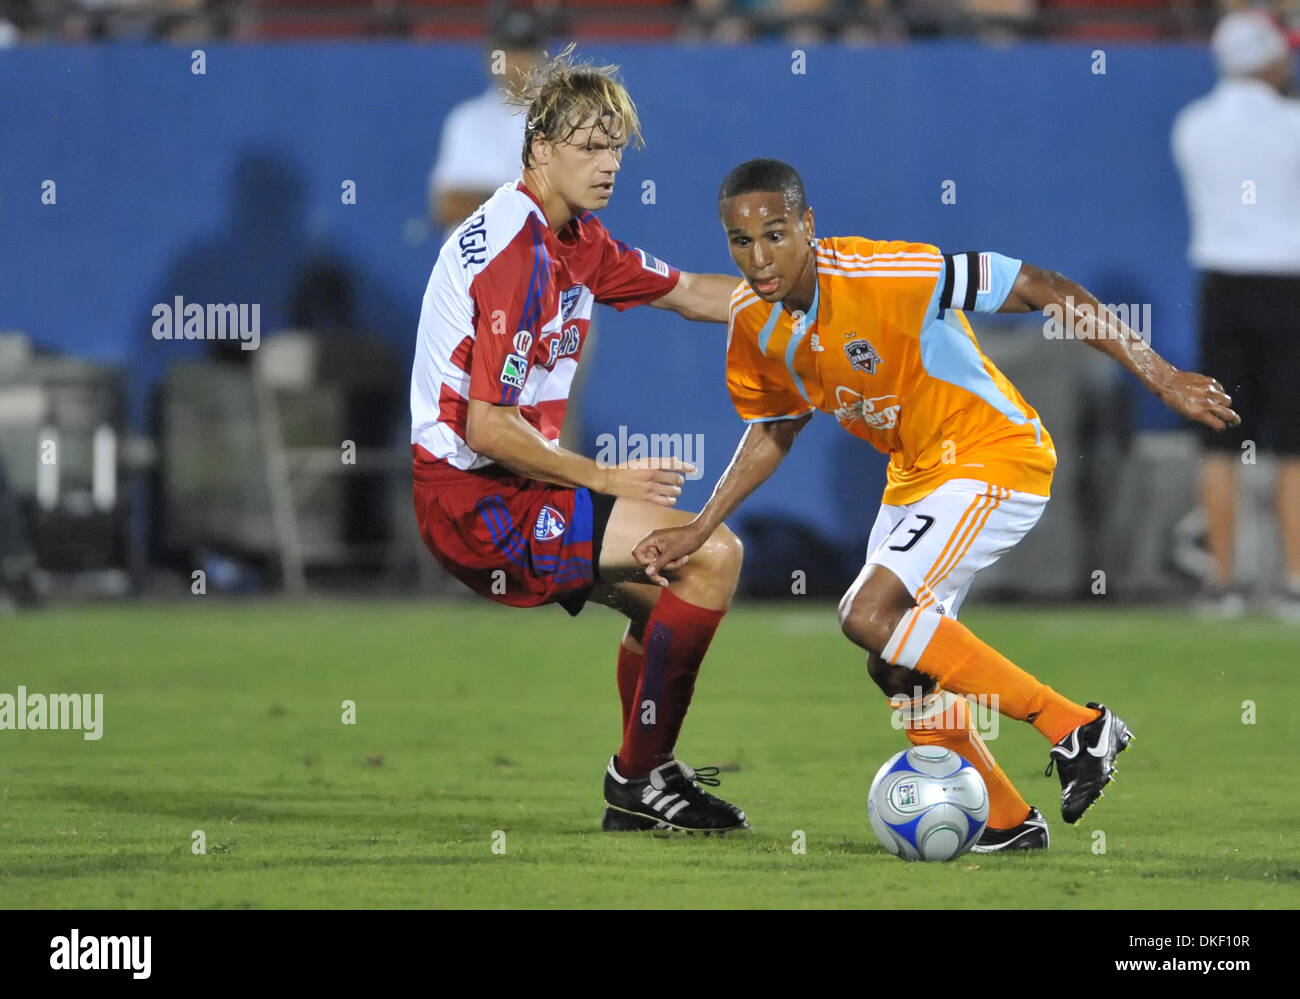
226	717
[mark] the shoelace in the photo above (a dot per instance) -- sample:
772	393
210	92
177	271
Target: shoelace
707	776
1051	762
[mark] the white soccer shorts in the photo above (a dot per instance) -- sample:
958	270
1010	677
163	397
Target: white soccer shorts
937	544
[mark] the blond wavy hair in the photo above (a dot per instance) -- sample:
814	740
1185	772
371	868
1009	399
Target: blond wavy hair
562	95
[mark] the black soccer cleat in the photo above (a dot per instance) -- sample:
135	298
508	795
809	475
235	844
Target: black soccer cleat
1031	834
616	821
671	798
1085	761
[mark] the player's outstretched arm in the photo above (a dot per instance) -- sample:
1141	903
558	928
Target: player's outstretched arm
1194	396
502	434
703	297
760	451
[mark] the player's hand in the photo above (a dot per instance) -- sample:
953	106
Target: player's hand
666	549
1199	398
655	480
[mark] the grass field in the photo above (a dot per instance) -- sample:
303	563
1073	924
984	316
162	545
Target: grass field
226	718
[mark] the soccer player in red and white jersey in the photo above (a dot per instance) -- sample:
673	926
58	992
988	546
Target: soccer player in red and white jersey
501	505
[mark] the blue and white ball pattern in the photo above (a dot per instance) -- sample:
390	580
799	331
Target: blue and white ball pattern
927	803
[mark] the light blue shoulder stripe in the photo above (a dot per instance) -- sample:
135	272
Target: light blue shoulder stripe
765	334
774	419
932	306
800	331
948	354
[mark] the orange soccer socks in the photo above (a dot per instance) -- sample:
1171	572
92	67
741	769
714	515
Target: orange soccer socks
940	719
959	662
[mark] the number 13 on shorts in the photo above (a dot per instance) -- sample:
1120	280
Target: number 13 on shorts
937	544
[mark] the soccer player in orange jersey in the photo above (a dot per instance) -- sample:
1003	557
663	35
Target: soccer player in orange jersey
873	332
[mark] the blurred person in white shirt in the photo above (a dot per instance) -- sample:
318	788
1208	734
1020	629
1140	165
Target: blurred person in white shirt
483	137
1238	151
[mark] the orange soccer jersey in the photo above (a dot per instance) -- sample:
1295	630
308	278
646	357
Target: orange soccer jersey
887	350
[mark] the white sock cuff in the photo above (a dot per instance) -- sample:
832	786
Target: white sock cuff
911	637
916	710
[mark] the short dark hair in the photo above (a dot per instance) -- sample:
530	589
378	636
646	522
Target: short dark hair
765	175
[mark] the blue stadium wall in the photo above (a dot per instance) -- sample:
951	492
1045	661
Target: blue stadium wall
236	175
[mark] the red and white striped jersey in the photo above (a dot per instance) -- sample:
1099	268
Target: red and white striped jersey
506	313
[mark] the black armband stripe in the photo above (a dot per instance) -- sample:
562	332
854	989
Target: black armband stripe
945	296
972	279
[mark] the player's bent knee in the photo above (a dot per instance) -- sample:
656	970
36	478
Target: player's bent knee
719	558
868	624
865	628
729	552
846	607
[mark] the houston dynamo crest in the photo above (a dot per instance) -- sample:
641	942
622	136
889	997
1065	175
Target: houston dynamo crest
862	355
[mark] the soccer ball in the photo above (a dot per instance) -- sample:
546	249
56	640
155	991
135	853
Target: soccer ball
927	803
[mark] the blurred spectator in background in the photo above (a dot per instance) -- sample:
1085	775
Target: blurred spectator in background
995	20
10	25
796	21
482	148
1238	150
17	564
726	21
715	21
483	137
1135	20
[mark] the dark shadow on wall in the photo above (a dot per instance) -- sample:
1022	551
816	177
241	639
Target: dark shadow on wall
265	255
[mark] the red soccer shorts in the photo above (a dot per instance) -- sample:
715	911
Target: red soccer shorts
514	540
